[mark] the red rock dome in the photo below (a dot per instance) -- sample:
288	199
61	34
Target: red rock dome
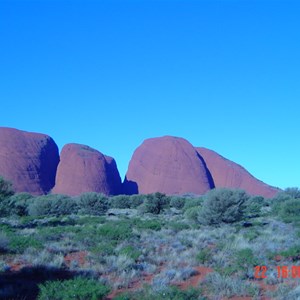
168	165
29	160
84	169
228	174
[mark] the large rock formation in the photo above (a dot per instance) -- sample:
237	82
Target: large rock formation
84	169
168	165
29	160
228	174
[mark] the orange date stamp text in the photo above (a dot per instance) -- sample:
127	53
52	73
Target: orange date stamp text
260	272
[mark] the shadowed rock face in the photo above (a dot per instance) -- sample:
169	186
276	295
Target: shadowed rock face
84	169
29	160
168	165
228	174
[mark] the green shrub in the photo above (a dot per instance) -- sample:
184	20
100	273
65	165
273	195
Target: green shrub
294	192
204	256
50	205
103	249
92	204
126	201
193	202
17	205
73	289
18	244
223	206
293	252
277	202
147	224
289	210
131	252
221	286
253	206
4	242
245	258
178	226
251	234
6	189
177	202
192	213
116	231
155	203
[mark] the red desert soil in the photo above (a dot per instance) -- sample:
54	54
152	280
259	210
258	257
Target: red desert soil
196	279
79	257
146	278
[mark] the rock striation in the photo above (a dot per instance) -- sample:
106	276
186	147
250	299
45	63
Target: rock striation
229	174
83	169
168	165
29	160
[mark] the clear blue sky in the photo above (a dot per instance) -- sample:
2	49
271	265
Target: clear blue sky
222	74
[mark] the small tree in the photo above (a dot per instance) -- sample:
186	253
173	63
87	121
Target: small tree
52	205
18	204
6	189
92	203
155	203
223	206
177	202
294	192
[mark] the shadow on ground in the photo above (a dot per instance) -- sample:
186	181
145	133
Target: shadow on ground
23	284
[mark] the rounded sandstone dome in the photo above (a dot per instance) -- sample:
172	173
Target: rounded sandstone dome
229	174
168	165
84	169
29	160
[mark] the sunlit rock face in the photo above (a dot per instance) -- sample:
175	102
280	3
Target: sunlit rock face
29	160
84	169
168	165
228	174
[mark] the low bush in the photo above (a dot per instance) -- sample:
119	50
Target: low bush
193	202
253	207
289	210
52	205
178	226
277	202
131	252
245	258
204	256
147	224
125	201
18	244
168	293
177	202
292	252
6	189
155	203
116	231
92	204
192	213
17	205
221	286
4	241
73	289
294	192
223	206
103	249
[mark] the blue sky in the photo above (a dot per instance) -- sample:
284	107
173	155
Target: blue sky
222	74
